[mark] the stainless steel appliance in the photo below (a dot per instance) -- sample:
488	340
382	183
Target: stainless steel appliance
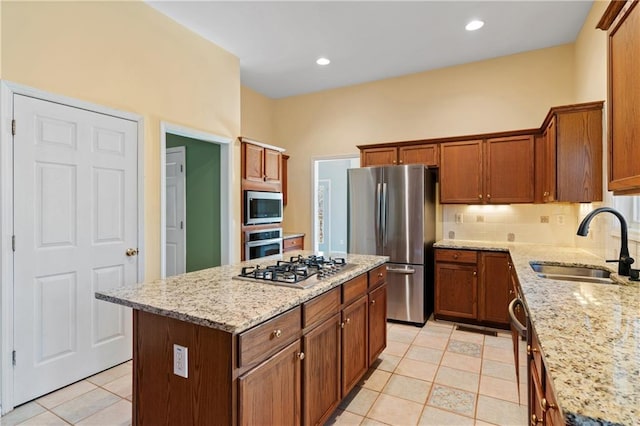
392	212
262	207
263	242
298	271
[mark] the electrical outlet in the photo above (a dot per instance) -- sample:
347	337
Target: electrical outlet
452	235
180	361
560	219
511	237
459	218
544	219
479	218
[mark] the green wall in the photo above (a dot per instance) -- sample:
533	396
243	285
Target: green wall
203	201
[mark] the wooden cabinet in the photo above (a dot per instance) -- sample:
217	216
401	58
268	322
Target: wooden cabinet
261	167
285	179
377	322
494	286
570	155
426	154
498	170
355	361
270	393
622	20
543	406
472	286
321	372
292	243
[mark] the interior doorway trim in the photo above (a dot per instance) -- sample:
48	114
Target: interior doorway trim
226	203
314	190
7	90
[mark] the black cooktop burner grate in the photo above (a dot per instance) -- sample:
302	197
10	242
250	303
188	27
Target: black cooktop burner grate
296	269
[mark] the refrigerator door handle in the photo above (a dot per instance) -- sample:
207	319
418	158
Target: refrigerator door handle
377	213
401	271
383	214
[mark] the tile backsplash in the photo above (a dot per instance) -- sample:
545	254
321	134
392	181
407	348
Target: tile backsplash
554	224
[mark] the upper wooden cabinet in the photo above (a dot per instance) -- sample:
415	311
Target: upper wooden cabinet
261	167
622	20
570	155
498	170
426	154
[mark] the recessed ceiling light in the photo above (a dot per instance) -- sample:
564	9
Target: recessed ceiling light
474	25
323	61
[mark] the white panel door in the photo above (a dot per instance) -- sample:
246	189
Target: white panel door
176	230
75	216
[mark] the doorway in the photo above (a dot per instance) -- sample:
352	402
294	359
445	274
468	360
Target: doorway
329	200
207	211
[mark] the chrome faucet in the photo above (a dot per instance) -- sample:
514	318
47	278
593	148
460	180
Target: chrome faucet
625	261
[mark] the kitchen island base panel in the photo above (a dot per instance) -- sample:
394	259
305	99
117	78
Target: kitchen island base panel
161	397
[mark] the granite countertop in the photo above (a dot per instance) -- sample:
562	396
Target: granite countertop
213	299
286	235
589	333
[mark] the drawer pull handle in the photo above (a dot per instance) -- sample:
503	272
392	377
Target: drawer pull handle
277	333
301	355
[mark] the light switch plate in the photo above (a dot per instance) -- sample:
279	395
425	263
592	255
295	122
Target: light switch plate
180	361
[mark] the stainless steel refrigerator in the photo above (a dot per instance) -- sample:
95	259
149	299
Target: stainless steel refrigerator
391	211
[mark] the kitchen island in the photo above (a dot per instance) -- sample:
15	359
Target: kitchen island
255	352
589	334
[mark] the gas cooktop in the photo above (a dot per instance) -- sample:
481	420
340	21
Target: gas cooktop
296	272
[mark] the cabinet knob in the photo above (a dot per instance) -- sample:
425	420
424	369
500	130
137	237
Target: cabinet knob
394	161
277	333
511	292
480	196
488	195
380	274
342	324
545	405
455	255
475	273
301	355
348	321
531	350
535	420
546	193
400	161
373	302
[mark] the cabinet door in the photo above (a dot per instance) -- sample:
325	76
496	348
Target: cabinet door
549	177
285	179
419	154
272	166
270	393
624	98
378	157
321	371
377	322
494	297
461	172
536	415
354	343
456	290
253	162
509	170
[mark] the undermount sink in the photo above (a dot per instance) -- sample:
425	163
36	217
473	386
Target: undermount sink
573	273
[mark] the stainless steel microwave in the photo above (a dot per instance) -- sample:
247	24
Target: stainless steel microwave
262	207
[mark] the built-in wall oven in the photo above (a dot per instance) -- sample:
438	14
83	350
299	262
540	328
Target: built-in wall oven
263	242
262	207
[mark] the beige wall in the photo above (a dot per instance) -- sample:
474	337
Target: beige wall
257	116
125	55
506	93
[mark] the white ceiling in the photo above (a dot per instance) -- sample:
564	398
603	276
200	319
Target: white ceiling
279	42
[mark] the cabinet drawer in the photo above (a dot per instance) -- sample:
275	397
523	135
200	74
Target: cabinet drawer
266	338
377	276
460	256
320	307
292	244
354	288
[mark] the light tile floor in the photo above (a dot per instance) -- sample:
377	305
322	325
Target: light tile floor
435	375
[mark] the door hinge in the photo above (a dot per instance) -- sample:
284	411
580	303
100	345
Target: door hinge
13	127
181	225
13	358
181	169
13	242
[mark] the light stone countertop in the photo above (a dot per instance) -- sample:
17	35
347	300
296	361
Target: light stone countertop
213	299
589	333
292	235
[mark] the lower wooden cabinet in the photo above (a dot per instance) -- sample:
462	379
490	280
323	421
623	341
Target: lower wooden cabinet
472	286
543	406
355	361
321	371
270	393
377	322
292	243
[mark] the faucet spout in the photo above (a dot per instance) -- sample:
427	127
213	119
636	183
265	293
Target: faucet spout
624	261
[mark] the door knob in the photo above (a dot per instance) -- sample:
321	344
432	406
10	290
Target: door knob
131	252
